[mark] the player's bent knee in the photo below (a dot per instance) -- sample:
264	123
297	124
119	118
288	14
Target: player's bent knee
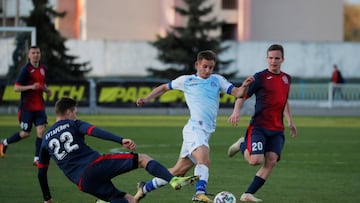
254	161
144	160
24	134
178	172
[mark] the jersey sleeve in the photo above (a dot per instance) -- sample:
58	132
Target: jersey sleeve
178	83
84	127
254	86
21	79
225	85
91	130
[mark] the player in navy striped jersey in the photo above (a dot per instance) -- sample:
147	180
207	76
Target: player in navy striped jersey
31	82
91	171
264	139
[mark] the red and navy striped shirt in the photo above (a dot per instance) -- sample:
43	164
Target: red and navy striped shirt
271	91
32	100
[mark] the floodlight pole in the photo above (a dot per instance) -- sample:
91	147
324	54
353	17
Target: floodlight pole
22	29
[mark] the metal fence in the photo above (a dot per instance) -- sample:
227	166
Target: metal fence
325	95
305	98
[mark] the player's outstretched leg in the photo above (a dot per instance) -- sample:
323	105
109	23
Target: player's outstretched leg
140	191
2	149
235	148
178	182
248	197
201	197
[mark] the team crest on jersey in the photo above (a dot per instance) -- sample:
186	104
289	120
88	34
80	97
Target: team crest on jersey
42	71
213	84
285	79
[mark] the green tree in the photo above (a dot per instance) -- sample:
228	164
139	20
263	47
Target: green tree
352	22
180	46
53	51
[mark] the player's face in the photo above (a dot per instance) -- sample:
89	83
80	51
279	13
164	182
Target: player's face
34	55
205	68
274	59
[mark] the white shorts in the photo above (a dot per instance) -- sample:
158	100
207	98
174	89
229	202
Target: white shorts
193	138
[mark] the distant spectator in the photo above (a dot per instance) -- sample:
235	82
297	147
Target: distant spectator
338	81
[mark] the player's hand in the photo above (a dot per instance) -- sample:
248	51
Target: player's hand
48	92
49	201
248	81
293	130
129	144
36	86
234	119
140	102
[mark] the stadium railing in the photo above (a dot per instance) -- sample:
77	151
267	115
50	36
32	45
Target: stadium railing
325	95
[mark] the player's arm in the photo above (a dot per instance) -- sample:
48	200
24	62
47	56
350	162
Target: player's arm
21	88
239	92
235	116
47	90
106	135
158	91
43	165
288	117
20	81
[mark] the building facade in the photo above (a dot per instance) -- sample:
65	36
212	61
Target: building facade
246	20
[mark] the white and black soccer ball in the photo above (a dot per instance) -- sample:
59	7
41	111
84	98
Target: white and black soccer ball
225	197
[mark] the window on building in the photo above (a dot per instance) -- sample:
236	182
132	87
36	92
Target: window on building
229	4
229	32
1	8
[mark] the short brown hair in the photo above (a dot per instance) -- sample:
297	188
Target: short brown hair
206	54
64	104
276	47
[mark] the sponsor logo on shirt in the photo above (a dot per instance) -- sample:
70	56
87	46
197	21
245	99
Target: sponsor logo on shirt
42	71
285	79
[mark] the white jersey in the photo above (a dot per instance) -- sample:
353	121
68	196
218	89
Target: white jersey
202	97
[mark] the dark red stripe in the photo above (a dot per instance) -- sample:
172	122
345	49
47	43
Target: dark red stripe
89	131
249	133
19	113
106	157
79	184
112	156
39	165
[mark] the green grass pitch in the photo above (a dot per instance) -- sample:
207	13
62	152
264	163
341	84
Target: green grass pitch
321	165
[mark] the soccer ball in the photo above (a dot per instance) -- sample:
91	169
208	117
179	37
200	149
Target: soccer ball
225	197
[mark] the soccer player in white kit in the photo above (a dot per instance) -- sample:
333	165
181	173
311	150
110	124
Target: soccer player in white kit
202	93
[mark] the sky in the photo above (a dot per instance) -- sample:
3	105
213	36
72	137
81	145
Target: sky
353	1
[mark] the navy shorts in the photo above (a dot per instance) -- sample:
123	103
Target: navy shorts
27	118
260	140
96	179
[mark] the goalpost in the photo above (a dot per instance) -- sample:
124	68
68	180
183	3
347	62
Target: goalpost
8	46
6	55
32	30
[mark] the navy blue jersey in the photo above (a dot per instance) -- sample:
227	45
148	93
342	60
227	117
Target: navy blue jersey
64	142
272	91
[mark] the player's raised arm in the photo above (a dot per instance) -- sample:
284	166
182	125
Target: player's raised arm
239	92
158	91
